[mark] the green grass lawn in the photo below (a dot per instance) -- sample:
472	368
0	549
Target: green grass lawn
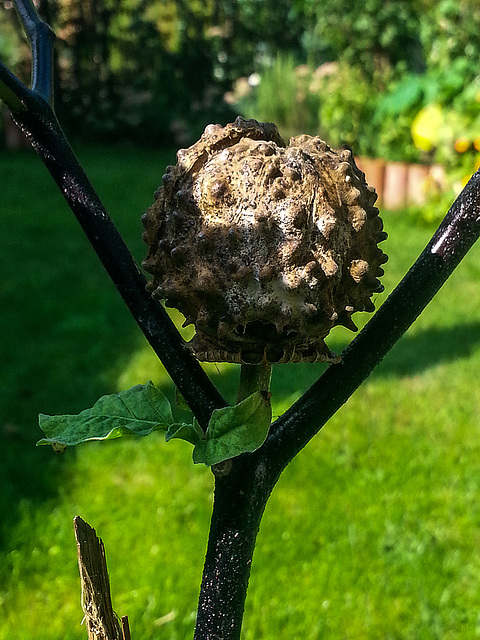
373	530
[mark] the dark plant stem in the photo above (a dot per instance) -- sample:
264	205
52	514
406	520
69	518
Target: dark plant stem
253	377
239	502
40	125
241	493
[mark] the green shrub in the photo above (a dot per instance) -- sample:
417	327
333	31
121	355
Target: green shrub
284	96
347	107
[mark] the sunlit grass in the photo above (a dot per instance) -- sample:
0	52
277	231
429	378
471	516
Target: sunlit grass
373	530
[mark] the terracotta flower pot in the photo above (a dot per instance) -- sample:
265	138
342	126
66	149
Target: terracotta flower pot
374	170
417	183
395	185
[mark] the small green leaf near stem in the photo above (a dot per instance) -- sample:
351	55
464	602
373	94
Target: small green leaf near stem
239	433
241	428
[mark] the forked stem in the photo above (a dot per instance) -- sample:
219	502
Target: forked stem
42	40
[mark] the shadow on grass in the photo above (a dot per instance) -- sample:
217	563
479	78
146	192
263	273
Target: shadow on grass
70	382
413	354
66	334
429	347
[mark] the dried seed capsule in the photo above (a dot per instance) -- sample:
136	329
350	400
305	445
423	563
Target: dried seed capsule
278	243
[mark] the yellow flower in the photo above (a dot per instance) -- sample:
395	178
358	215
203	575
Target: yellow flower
462	144
426	127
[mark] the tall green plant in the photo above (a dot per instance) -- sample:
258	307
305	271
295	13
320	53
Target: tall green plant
283	95
347	109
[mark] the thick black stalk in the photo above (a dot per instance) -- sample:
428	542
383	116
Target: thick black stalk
46	136
239	502
32	111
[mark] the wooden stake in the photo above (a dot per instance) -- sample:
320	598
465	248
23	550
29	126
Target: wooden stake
102	622
126	628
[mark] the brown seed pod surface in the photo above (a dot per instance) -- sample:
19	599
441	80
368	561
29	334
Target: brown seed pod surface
264	247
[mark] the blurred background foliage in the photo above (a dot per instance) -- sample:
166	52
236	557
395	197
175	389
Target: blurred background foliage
368	74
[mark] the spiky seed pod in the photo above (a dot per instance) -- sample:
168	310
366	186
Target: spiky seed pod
264	247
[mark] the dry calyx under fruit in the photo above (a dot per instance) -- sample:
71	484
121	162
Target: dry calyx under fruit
264	247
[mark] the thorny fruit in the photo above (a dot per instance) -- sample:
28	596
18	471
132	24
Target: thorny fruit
264	247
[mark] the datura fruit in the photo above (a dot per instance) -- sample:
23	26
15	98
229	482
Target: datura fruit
264	246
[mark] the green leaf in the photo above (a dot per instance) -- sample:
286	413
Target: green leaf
138	411
192	433
234	430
